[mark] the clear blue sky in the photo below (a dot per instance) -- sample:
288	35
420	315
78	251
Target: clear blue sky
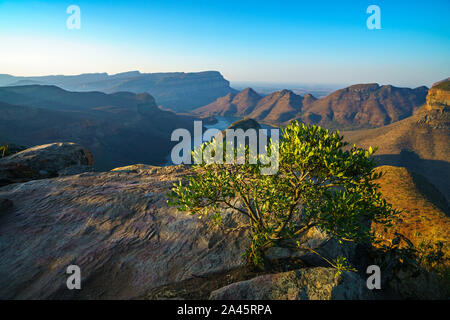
269	41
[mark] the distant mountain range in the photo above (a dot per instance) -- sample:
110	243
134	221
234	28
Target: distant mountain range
357	106
178	90
411	127
119	128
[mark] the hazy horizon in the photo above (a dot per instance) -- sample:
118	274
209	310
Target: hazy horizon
289	42
239	84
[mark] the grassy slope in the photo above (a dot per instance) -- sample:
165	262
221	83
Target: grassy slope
424	209
420	143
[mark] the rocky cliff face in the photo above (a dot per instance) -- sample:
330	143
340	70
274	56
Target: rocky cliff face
178	90
439	95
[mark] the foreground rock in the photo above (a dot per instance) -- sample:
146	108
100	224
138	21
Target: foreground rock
304	284
5	204
321	243
116	226
43	161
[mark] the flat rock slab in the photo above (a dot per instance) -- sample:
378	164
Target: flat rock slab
5	204
116	226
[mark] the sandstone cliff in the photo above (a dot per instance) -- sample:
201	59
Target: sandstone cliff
177	90
439	95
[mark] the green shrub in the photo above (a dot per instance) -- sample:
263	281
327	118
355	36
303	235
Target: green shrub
318	184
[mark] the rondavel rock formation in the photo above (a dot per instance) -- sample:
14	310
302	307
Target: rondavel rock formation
358	106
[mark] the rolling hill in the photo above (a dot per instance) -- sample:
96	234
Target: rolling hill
425	213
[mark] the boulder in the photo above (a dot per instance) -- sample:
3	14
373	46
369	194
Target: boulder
304	284
43	161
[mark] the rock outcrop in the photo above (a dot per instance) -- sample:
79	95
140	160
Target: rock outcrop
439	95
44	161
303	284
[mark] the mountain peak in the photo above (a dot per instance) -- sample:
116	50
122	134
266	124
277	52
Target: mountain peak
249	91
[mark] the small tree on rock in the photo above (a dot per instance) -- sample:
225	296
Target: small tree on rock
318	184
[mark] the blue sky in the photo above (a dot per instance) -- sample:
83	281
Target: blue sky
260	41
